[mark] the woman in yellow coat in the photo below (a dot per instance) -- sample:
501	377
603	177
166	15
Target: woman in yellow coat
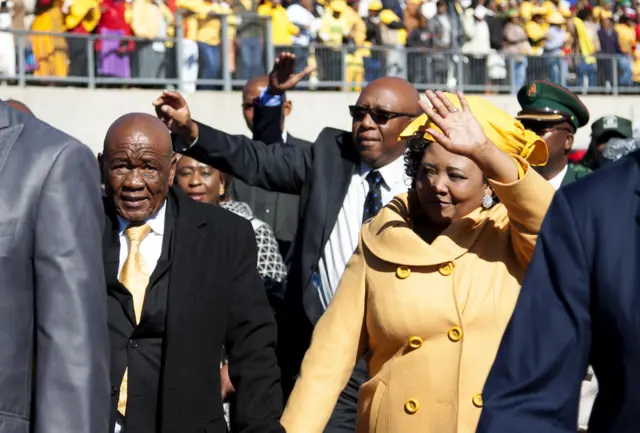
430	289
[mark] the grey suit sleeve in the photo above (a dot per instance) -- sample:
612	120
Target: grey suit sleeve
71	385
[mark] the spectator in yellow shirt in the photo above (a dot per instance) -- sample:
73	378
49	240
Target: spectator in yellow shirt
627	41
282	29
209	40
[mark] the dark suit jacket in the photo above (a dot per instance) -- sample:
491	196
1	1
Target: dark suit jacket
320	174
579	305
216	298
54	342
278	210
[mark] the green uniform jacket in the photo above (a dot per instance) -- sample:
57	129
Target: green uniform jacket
574	172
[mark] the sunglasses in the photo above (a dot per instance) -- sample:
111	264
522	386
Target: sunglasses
542	128
378	115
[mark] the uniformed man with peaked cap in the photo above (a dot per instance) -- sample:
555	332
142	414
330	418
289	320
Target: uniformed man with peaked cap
555	114
603	130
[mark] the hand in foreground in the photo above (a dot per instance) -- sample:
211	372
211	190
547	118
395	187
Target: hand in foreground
283	77
461	132
225	382
174	112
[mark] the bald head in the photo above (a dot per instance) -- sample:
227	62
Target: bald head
254	86
251	91
138	165
139	127
17	105
383	110
393	91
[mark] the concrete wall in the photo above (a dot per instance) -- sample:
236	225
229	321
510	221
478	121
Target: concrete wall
86	114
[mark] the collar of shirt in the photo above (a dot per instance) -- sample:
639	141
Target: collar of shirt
391	173
156	222
284	136
556	180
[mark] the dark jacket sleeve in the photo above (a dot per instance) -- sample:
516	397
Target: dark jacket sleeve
250	343
71	384
277	167
534	384
267	123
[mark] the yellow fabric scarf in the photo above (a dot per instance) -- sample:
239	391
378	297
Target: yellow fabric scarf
587	47
502	129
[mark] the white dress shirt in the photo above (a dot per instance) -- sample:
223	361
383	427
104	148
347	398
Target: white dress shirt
150	247
556	180
344	237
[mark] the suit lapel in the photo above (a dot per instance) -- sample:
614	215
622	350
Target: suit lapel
569	176
340	179
8	133
186	254
111	256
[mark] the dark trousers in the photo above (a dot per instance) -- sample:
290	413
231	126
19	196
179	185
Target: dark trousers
78	57
343	418
251	55
209	64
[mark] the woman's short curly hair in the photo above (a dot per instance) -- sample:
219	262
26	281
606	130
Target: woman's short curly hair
416	146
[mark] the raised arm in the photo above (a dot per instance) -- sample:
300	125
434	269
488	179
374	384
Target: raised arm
525	194
527	201
71	384
338	342
534	384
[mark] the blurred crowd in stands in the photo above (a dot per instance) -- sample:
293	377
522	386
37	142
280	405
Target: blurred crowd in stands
481	43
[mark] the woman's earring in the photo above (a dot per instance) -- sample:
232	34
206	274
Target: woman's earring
487	201
221	190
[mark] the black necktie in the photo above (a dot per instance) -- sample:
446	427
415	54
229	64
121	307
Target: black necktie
373	201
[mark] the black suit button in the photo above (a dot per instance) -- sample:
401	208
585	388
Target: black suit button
114	391
133	343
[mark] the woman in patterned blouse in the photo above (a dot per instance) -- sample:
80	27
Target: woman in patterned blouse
208	185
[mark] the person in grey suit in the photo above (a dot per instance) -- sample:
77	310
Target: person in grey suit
54	347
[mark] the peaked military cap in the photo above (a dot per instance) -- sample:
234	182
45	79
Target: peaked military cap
545	101
613	126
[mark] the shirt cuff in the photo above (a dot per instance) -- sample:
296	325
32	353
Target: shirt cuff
181	146
269	100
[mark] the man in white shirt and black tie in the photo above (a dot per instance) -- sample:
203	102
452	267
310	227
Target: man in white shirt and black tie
182	282
343	178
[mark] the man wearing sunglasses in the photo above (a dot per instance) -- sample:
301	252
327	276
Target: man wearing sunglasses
344	179
555	114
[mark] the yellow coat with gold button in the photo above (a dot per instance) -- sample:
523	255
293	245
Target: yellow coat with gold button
432	316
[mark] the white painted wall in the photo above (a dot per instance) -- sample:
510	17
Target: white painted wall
86	114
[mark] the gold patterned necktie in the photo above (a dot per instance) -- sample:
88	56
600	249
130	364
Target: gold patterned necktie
135	279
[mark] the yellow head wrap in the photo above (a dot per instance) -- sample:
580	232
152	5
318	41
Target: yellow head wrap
503	130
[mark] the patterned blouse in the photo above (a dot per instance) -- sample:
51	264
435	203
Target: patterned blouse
270	264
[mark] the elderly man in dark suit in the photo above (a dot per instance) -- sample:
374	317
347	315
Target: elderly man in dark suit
343	179
182	282
54	347
578	305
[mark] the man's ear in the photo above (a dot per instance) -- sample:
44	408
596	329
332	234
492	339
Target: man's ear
100	162
172	168
568	143
286	108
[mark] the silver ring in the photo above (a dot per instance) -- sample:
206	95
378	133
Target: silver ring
454	110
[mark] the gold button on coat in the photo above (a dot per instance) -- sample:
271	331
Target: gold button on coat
455	334
477	400
403	272
411	406
415	342
446	269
